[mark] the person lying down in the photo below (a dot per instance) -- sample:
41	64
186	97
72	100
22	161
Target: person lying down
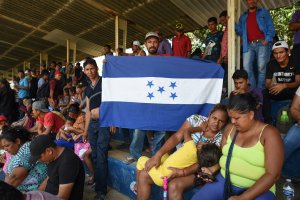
205	154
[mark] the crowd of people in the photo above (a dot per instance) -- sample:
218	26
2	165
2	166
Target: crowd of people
49	123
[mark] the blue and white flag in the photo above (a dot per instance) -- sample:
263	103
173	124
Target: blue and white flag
156	92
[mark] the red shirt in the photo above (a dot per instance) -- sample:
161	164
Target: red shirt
53	120
53	85
181	46
253	31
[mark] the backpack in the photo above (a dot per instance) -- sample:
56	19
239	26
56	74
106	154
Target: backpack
43	91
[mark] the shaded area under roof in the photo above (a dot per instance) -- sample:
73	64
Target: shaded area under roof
25	25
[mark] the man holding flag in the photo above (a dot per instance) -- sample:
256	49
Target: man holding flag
156	93
98	136
136	146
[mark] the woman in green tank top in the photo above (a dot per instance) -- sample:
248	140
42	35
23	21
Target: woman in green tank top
252	156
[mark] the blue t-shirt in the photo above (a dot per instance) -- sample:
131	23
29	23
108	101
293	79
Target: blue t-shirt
213	44
23	93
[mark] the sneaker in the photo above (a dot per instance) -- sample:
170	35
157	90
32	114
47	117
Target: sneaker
133	187
128	160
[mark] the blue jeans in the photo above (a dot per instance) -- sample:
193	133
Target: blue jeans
215	190
99	139
262	54
292	153
2	175
137	143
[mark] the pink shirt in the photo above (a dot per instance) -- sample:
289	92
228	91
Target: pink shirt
224	43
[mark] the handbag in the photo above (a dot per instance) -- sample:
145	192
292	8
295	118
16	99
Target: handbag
80	148
227	185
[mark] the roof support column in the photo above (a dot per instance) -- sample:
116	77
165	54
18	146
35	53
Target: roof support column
123	27
24	66
68	58
73	47
116	34
41	61
234	10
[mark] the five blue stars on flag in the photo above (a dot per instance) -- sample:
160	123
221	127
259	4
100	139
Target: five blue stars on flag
161	90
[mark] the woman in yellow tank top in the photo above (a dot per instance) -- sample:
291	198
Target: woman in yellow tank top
253	153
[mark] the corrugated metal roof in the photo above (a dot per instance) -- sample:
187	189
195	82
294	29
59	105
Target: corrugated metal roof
24	24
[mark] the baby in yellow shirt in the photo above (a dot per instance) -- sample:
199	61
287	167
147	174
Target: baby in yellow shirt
205	154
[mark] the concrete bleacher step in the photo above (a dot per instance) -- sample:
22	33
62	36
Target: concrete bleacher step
120	175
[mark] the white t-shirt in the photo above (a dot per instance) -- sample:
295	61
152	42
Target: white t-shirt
298	91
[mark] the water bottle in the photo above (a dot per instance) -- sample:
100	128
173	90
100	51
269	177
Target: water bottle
288	190
284	118
165	186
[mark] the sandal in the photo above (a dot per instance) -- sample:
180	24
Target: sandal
128	160
133	187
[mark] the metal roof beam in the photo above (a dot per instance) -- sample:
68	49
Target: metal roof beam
22	23
58	11
4	42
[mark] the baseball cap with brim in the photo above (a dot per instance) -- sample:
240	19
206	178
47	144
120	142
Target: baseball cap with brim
40	105
3	118
151	34
179	27
280	44
38	146
137	43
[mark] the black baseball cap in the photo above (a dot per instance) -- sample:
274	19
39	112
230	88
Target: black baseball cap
38	145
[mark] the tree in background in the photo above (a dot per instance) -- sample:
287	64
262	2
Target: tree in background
281	18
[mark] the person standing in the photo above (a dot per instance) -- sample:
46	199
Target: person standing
55	87
23	90
181	43
213	42
164	45
295	26
99	137
136	49
7	101
257	31
137	143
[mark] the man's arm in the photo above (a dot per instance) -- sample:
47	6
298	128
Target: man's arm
87	117
65	190
51	87
295	108
46	131
295	22
169	145
26	85
43	185
270	33
49	123
168	47
278	87
17	176
189	47
294	26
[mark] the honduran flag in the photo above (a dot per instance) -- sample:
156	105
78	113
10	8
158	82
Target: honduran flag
157	92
